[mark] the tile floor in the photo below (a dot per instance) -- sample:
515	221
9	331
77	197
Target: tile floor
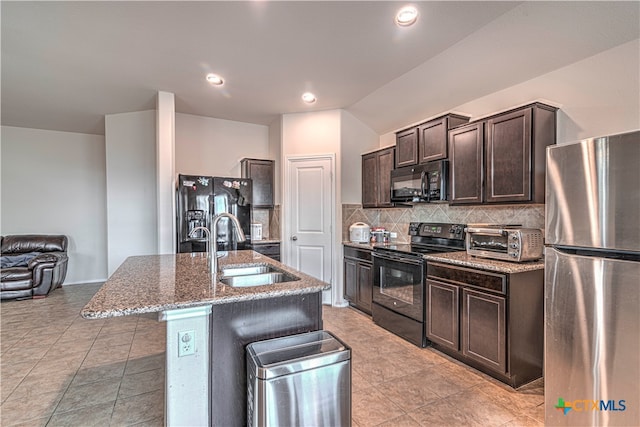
58	369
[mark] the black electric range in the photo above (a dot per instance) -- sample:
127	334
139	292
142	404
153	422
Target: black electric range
428	237
399	275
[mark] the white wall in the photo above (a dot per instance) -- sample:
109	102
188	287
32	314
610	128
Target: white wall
335	132
275	153
314	134
207	146
110	212
356	138
131	185
54	183
311	133
165	172
597	96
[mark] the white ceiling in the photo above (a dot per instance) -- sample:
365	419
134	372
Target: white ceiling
67	64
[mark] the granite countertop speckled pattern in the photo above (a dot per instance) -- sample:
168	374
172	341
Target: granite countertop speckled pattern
366	245
358	245
461	258
153	283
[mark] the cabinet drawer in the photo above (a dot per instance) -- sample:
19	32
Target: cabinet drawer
468	277
359	254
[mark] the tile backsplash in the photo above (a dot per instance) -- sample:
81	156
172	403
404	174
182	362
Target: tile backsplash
274	223
397	219
270	220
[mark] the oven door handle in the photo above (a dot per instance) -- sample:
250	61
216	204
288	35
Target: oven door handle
488	231
397	258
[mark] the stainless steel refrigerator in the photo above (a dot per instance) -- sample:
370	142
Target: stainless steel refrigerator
198	198
592	282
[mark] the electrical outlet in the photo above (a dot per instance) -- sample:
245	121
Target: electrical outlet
393	235
186	343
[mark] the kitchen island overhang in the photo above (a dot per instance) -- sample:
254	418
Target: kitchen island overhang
184	293
155	283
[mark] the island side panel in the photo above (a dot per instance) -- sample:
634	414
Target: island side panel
233	327
187	373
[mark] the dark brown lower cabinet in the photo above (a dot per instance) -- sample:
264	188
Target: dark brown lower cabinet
241	323
358	281
483	329
272	249
443	309
492	321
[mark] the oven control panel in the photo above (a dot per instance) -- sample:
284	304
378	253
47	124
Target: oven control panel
441	230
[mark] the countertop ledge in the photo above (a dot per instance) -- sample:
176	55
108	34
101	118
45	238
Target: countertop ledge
155	283
369	246
462	259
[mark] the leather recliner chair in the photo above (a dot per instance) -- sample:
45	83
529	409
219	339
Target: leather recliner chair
36	265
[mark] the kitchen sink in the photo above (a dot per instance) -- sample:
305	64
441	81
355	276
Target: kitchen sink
255	275
244	271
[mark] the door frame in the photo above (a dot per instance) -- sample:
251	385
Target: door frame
286	217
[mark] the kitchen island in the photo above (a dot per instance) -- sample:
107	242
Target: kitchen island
209	323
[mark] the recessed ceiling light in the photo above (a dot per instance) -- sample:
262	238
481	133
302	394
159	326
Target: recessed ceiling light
406	16
308	97
215	79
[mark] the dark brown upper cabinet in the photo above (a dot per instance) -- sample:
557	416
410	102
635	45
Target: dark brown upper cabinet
261	173
466	150
432	137
407	147
516	153
427	141
376	178
508	150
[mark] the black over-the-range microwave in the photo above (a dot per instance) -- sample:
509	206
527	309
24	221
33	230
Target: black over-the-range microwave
421	183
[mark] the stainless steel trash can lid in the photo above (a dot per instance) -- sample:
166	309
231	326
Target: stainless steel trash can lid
281	356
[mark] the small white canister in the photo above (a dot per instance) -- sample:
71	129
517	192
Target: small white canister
256	231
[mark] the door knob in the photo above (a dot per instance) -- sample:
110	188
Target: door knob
294	238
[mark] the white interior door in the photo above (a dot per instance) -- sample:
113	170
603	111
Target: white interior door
309	230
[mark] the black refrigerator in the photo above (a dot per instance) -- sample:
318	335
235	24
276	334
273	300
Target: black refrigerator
201	197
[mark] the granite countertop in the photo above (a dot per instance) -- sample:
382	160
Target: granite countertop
358	245
368	245
461	258
153	283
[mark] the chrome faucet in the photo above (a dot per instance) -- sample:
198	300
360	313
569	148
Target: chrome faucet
207	245
214	237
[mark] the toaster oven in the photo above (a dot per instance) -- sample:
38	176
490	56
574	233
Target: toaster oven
506	243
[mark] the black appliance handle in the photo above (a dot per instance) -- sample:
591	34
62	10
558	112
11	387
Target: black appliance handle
390	257
422	175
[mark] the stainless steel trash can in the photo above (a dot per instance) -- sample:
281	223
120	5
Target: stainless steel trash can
299	380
